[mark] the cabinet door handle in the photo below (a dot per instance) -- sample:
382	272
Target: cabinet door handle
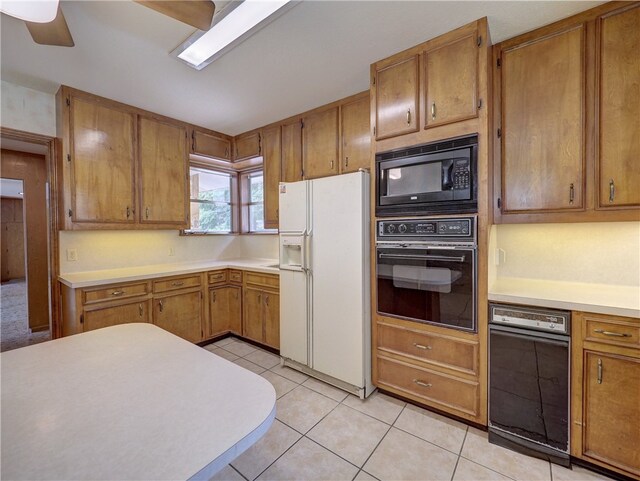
331	163
433	111
161	305
408	116
146	212
214	297
612	190
128	212
421	346
422	383
346	161
599	371
140	309
266	300
177	283
571	193
117	293
611	333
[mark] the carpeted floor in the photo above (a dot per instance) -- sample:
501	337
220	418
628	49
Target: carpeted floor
14	326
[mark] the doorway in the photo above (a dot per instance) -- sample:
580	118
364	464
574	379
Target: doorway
25	294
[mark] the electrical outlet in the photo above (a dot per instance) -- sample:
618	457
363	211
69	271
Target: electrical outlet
172	251
72	255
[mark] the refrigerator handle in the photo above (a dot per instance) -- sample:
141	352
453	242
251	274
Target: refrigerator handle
306	252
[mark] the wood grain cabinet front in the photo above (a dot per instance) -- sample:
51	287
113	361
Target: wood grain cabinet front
209	144
106	315
180	313
320	144
225	310
356	135
261	308
291	151
247	146
272	165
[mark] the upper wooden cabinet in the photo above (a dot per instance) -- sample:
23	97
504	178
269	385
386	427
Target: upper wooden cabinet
356	135
543	144
247	146
209	144
451	79
396	90
320	144
271	156
291	151
618	101
164	167
101	159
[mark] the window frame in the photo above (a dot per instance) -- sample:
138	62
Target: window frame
245	202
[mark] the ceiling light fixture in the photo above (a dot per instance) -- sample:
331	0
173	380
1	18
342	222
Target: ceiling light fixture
239	24
38	11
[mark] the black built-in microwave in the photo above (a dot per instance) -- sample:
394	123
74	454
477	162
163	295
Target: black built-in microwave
439	177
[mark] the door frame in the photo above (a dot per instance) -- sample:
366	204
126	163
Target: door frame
52	160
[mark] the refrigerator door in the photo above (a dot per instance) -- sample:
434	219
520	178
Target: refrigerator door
294	316
339	254
294	207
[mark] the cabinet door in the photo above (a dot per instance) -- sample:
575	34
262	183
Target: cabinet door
356	135
292	151
451	81
218	311
271	152
210	145
543	123
397	98
612	410
234	296
102	163
272	319
100	317
320	144
619	108
180	314
164	164
252	320
247	146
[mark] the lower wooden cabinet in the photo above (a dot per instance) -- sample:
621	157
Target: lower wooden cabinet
180	313
261	309
225	310
100	316
606	391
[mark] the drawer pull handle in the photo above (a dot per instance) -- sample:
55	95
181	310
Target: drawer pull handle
599	371
420	346
117	293
177	283
140	310
611	333
422	383
433	111
161	305
612	190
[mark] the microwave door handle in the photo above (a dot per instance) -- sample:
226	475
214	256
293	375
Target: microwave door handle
447	181
421	258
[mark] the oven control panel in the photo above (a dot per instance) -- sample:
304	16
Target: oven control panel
427	229
530	318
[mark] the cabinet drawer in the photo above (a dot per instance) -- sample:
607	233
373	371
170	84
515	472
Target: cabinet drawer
217	277
235	277
165	285
90	296
433	348
266	280
446	391
610	331
101	316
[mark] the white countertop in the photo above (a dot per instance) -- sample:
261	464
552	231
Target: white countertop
597	298
126	402
126	274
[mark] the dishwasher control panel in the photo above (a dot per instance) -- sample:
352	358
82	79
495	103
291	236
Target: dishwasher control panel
531	318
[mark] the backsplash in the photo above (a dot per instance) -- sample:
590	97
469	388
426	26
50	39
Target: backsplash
595	253
98	250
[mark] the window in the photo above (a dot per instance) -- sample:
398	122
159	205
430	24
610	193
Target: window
211	201
253	200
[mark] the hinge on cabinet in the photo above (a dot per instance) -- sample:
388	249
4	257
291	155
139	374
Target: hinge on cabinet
374	81
499	133
479	40
70	212
499	203
479	104
68	157
499	63
302	124
374	130
68	102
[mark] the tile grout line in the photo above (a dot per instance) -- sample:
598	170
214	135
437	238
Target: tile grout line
285	452
374	450
455	468
242	475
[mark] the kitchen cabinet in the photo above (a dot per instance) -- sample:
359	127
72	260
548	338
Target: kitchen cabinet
451	79
320	144
164	167
225	310
210	144
247	146
101	162
180	312
97	317
606	391
396	97
542	130
271	155
618	101
261	306
291	151
356	135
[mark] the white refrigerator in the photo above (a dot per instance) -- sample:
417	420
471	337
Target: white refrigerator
325	321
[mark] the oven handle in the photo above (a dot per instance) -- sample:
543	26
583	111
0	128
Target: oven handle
420	258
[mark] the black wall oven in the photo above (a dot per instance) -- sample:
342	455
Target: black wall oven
428	179
426	271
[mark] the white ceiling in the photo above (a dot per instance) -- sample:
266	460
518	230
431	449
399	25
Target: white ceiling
317	52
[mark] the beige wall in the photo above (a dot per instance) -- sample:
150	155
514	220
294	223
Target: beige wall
594	253
99	250
27	109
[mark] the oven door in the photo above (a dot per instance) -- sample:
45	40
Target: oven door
428	284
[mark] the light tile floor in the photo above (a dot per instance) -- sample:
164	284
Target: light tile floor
323	433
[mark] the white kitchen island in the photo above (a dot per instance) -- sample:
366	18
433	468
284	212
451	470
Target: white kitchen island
126	402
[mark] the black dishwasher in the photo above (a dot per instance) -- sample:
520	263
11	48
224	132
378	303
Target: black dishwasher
529	381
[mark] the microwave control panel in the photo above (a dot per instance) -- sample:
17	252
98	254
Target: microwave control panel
461	174
427	229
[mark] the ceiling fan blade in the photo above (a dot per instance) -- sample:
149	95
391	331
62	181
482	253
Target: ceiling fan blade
197	13
52	33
